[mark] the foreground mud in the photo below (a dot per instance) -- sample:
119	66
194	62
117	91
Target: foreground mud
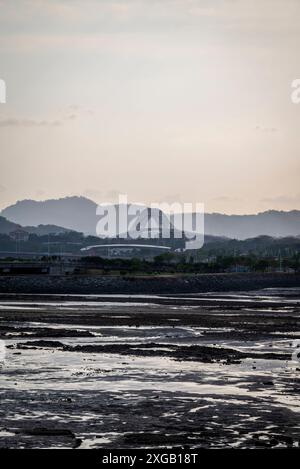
209	370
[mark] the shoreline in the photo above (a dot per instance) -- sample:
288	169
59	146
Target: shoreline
154	284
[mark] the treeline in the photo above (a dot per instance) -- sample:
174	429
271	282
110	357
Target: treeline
172	263
217	255
71	242
262	246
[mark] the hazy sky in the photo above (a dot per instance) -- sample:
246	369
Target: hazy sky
165	100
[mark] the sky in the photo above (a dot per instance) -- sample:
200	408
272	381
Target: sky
164	100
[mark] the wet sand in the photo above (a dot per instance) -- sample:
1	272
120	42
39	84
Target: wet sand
203	371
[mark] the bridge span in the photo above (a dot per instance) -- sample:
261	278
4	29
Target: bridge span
126	246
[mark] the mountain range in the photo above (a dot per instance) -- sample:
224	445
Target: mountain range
79	214
7	227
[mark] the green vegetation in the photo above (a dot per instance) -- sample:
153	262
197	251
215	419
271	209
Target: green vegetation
260	254
174	263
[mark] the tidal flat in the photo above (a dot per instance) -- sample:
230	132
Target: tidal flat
209	370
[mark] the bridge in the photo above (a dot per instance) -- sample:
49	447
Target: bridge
126	246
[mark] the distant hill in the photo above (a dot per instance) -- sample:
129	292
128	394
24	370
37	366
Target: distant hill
79	214
42	230
7	227
261	245
271	223
75	213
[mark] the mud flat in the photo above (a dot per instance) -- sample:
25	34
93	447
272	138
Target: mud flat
147	284
209	370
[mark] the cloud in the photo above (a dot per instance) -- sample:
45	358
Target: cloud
26	122
94	194
80	109
282	201
169	199
74	111
52	20
103	196
266	129
29	123
112	195
39	192
225	198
